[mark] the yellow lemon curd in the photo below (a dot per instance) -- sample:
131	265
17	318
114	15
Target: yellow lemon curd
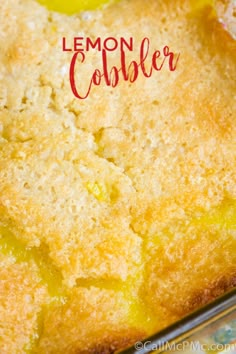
71	7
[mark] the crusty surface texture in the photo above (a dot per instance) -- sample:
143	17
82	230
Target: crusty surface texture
117	212
21	300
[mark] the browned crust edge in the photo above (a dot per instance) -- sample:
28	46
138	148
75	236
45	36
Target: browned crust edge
200	298
216	289
115	343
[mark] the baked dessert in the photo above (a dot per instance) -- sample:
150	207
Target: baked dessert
117	212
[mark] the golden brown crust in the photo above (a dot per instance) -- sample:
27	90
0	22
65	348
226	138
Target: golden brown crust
201	298
118	342
92	320
128	198
218	288
21	298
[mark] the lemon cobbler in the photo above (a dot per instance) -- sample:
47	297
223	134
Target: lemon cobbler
117	212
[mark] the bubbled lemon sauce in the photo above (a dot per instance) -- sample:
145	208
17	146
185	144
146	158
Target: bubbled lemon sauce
75	6
49	274
222	217
52	278
72	7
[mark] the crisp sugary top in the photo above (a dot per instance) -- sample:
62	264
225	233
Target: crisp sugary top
127	197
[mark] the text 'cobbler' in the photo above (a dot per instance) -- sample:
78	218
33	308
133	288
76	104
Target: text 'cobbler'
112	48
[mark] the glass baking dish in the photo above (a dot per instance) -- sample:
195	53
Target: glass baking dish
209	330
